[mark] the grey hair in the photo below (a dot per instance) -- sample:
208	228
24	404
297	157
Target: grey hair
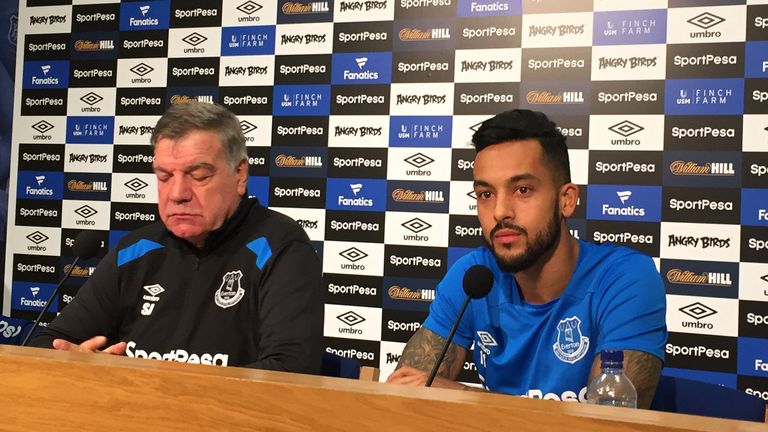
183	118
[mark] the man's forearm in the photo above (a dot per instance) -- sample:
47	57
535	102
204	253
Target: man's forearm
422	350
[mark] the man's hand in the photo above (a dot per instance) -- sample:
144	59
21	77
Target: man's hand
415	377
91	345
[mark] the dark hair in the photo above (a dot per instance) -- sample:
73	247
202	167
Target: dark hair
184	118
522	124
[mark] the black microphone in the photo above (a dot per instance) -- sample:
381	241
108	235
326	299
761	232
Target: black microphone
477	282
86	246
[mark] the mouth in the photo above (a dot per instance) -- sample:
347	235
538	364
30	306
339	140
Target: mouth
506	235
182	215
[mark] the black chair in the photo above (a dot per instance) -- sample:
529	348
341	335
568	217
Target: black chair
684	396
341	367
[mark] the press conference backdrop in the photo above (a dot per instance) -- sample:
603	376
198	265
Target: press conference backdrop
358	115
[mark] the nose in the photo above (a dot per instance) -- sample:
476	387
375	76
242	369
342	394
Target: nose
180	190
503	207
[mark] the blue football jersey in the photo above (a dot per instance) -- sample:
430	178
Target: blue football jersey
614	300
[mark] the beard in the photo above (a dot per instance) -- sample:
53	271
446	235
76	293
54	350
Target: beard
535	248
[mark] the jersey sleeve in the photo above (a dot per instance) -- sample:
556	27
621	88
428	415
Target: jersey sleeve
631	307
93	312
290	312
447	304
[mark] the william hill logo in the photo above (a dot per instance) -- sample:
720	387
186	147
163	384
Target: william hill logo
82	186
397	292
290	161
711	169
182	99
86	45
78	271
408	195
413	34
687	277
298	8
543	97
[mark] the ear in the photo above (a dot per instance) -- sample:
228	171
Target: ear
569	197
242	177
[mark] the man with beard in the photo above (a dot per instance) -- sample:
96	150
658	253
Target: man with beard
556	301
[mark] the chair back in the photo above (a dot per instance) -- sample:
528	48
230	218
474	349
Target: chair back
684	396
340	367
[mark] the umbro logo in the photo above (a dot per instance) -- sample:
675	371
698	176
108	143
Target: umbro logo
416	225
626	128
350	318
706	20
697	310
353	254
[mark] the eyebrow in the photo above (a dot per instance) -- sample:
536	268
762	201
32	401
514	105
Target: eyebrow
513	179
188	169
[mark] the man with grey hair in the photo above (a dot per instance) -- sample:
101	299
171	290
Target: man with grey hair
222	280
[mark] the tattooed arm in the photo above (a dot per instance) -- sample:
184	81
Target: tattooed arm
643	369
420	355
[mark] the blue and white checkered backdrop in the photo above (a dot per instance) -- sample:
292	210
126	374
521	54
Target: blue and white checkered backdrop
358	115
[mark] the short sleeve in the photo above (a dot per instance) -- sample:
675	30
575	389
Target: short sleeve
448	301
631	307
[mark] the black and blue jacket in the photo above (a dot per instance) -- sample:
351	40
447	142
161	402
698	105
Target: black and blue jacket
250	297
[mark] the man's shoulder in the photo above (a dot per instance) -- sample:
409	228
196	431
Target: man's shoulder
155	232
276	227
610	255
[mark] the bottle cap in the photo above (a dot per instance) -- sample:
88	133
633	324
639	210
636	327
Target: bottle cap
612	356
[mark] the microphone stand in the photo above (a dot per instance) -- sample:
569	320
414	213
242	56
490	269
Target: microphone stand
48	303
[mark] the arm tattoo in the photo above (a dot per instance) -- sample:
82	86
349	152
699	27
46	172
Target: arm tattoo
422	350
643	369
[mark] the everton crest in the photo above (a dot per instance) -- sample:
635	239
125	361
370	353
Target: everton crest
230	292
571	346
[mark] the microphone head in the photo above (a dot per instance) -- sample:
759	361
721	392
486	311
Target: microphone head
87	244
478	281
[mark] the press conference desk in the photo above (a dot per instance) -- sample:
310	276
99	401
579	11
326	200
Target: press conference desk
49	390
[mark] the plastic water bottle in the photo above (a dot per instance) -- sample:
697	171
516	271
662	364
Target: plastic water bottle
612	387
